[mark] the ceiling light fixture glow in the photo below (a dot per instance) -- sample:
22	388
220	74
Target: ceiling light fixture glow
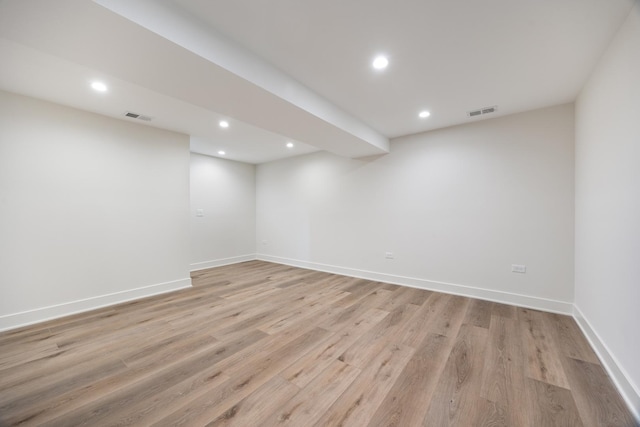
224	124
424	114
99	86
380	62
289	144
222	153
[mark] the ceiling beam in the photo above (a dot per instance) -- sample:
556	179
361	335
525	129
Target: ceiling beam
265	96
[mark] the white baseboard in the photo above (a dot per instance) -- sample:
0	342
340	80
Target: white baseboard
630	392
449	288
25	318
220	262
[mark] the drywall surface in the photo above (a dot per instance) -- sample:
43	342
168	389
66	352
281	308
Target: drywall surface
92	210
608	206
455	208
223	211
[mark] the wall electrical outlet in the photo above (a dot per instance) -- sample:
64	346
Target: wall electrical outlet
199	212
388	255
518	268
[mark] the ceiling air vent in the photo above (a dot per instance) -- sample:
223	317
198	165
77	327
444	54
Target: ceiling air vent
483	111
137	116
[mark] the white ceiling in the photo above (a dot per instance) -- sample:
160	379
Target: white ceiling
283	70
448	57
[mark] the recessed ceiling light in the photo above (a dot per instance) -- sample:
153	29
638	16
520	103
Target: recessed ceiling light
222	153
99	86
289	144
224	124
424	114
380	62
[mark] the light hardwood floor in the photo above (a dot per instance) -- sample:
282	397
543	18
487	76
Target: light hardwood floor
261	344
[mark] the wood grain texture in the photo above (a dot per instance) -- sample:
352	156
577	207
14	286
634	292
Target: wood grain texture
549	405
456	400
254	408
503	380
315	361
598	402
569	339
404	405
265	344
358	403
479	313
309	405
543	357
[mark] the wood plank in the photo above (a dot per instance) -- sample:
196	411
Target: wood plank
404	295
549	405
145	411
312	403
543	359
199	356
253	409
451	316
65	403
491	414
369	345
242	383
358	403
479	313
28	393
306	311
28	353
276	316
370	292
504	310
568	338
238	362
456	402
503	379
420	324
344	314
318	359
599	403
404	405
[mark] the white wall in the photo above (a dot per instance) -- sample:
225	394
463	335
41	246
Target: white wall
225	191
608	208
456	207
92	209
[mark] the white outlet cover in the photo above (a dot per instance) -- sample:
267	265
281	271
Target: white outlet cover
199	212
518	268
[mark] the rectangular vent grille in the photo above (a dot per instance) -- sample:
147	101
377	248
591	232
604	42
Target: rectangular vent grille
137	116
483	111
